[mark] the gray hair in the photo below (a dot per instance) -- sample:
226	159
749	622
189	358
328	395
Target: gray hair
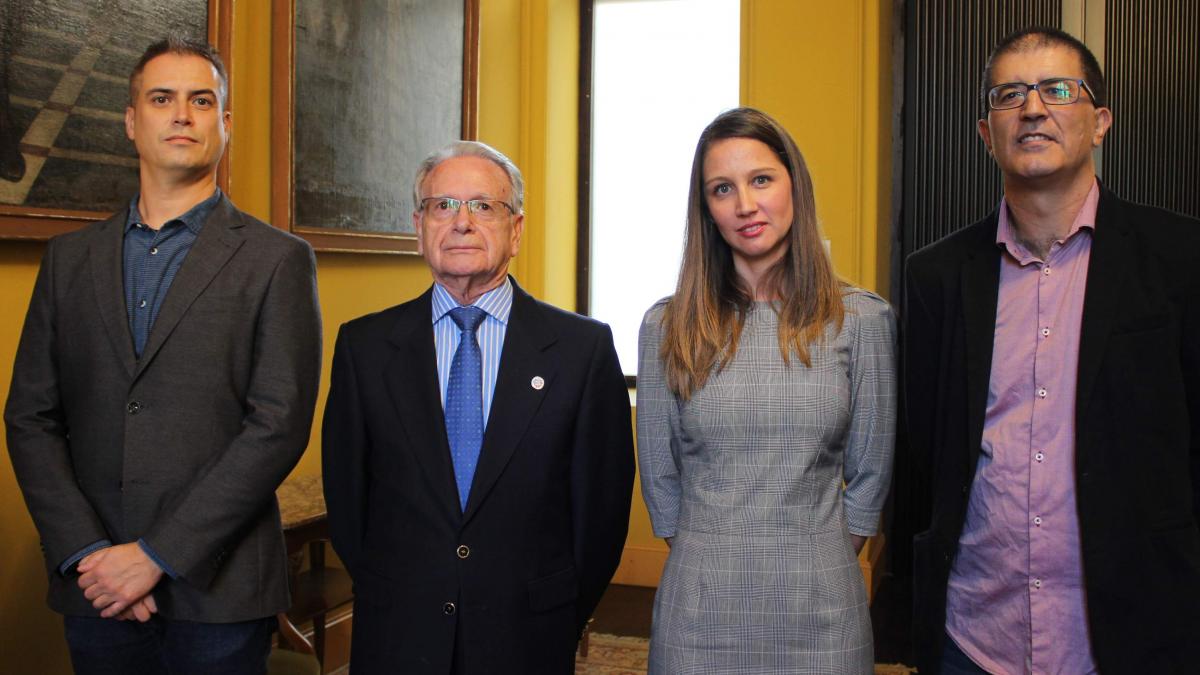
516	183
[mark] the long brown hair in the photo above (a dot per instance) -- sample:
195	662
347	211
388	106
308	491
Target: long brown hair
703	321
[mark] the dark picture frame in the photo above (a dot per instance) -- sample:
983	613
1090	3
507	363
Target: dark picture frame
41	222
320	141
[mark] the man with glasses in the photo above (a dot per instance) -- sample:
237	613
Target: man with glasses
478	455
1052	384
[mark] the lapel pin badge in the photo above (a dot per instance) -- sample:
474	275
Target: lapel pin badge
537	382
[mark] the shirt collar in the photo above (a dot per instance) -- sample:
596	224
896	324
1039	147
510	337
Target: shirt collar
1085	218
496	302
192	220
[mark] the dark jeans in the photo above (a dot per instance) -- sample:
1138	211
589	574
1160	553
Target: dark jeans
955	662
167	647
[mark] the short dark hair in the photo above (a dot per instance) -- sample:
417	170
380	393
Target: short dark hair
1035	37
177	44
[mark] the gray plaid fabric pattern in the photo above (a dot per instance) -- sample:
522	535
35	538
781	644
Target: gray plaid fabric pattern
747	477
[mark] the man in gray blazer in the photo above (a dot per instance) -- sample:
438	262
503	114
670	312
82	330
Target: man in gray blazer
163	387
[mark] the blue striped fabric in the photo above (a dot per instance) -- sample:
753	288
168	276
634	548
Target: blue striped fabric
498	304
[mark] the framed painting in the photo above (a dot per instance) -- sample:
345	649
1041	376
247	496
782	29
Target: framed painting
64	84
363	91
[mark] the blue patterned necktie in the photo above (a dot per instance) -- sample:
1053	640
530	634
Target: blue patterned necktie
464	400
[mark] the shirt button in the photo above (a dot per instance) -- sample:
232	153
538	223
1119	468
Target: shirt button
1039	457
448	608
154	251
1046	270
1041	392
1037	520
142	303
1045	332
463	551
1037	583
134	407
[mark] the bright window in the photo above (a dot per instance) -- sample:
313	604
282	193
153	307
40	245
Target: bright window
662	70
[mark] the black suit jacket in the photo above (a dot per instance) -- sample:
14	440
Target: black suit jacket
1137	417
514	578
185	446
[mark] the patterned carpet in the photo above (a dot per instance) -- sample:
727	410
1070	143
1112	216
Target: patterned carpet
618	655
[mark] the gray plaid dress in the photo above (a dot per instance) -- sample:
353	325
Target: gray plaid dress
747	476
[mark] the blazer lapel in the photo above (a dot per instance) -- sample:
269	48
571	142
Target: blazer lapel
1108	270
980	292
412	383
214	246
107	259
516	398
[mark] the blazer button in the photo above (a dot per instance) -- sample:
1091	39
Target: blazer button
448	608
134	407
463	551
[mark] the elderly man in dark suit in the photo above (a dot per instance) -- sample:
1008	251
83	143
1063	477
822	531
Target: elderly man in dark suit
163	387
1053	394
478	456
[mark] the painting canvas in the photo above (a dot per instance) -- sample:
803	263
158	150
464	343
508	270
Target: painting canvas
64	69
377	85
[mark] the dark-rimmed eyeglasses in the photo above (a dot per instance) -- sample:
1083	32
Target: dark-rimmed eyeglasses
1054	91
481	210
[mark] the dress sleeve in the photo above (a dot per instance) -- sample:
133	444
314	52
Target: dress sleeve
870	447
657	429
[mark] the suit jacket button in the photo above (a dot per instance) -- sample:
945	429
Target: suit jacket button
134	407
463	551
448	608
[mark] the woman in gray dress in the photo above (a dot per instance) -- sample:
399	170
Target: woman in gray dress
765	414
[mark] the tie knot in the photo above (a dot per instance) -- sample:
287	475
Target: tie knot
467	318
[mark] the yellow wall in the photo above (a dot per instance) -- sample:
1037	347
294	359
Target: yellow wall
797	57
29	633
823	69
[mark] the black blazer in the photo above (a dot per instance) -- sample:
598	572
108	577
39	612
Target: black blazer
185	446
515	577
1137	416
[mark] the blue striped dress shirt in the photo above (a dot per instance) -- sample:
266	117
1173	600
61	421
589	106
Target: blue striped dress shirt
497	303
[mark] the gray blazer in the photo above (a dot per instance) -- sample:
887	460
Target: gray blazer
185	446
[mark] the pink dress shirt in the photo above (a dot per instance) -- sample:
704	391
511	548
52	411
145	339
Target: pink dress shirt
1015	602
